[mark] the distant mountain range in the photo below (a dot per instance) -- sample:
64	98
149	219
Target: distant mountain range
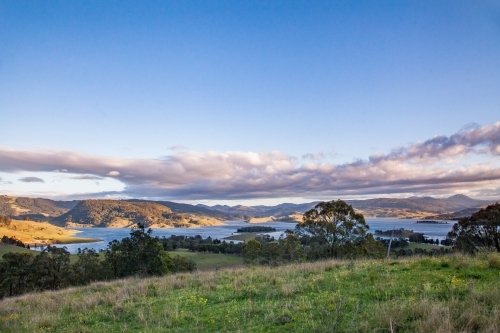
121	213
418	207
414	207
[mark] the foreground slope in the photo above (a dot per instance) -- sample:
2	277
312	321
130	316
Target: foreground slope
448	294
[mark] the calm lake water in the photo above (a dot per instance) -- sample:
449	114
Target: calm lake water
108	234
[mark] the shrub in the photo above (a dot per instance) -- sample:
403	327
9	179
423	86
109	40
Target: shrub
494	260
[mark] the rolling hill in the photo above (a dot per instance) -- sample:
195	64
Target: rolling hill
33	208
191	209
118	213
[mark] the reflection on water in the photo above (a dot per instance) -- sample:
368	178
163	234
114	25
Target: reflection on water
108	234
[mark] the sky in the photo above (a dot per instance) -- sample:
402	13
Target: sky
249	102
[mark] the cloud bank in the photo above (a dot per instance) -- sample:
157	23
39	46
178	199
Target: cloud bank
31	180
439	164
85	177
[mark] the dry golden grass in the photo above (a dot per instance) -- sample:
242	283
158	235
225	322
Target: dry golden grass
30	232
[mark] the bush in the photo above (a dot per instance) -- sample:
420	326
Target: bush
5	220
494	260
182	264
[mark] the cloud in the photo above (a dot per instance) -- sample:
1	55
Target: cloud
4	182
85	177
178	147
31	180
472	139
315	157
417	168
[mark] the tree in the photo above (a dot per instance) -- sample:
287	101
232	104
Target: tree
479	231
15	268
51	268
140	254
88	267
271	253
252	250
333	223
291	248
5	220
416	237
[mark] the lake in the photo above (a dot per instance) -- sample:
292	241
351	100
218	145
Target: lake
108	234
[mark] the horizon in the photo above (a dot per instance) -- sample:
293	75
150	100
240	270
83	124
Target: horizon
273	203
249	103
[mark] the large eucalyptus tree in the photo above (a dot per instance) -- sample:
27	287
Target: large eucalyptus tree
480	231
334	224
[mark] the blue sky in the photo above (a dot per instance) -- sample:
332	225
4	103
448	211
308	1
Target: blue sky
256	101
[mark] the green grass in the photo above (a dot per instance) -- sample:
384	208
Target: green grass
243	237
12	248
447	294
208	260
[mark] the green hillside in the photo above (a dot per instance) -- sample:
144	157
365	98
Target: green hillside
447	294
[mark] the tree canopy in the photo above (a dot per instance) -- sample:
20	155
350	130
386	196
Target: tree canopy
139	254
479	231
334	224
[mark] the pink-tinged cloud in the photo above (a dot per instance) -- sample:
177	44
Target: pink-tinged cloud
479	140
418	168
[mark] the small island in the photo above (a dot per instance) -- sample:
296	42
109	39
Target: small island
432	222
257	228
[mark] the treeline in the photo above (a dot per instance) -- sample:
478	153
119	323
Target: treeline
13	241
291	247
421	239
399	247
421	252
257	228
417	238
137	255
200	244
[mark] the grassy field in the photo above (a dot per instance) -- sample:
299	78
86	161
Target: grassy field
206	261
447	294
242	237
12	248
